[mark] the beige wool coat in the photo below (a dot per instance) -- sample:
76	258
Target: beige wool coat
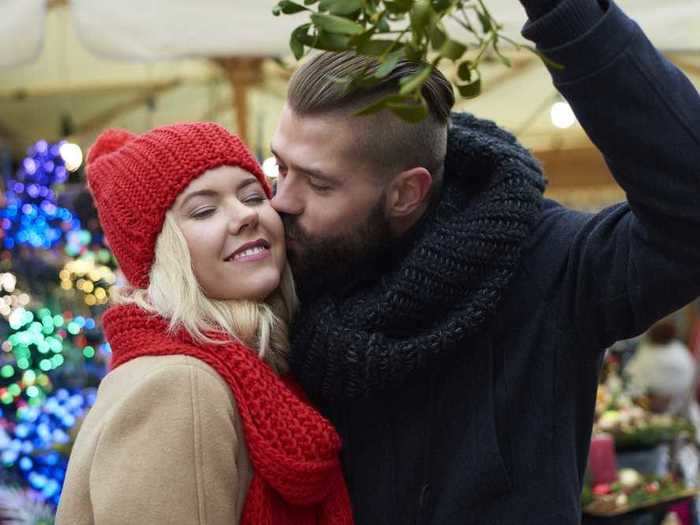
163	444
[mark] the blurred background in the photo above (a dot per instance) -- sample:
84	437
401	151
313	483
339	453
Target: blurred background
69	69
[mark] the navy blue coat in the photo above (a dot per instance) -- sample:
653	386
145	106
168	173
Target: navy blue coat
499	434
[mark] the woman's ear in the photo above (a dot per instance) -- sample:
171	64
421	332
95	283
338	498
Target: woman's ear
408	192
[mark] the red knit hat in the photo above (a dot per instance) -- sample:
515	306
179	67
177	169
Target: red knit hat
135	179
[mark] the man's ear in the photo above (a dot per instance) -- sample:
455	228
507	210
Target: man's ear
408	192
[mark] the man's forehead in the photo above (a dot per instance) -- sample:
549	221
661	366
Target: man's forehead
311	139
326	126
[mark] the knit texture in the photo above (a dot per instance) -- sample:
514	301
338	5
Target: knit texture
135	179
553	23
446	286
294	451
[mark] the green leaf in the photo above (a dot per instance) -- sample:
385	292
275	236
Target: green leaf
486	22
362	81
452	49
296	47
378	105
296	41
504	59
332	41
420	16
340	7
336	24
437	37
281	62
415	81
362	39
470	89
370	8
464	71
383	25
414	53
394	30
440	6
288	7
547	61
306	38
408	109
374	107
377	48
389	63
397	7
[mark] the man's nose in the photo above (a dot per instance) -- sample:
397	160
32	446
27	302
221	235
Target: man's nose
287	198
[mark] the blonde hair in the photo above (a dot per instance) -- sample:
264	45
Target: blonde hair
175	294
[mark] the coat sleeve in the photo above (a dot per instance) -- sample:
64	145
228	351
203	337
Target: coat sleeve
632	264
167	453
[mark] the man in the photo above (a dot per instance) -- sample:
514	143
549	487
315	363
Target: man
453	321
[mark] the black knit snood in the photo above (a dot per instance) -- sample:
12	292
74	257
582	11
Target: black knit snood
446	285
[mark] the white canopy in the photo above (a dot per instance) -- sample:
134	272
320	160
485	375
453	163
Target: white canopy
137	30
126	63
21	31
166	29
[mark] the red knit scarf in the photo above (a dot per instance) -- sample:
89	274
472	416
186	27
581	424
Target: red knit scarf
297	477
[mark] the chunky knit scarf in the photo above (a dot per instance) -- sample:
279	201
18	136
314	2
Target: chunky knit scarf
445	286
294	451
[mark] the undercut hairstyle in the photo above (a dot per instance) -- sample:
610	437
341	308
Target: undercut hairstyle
322	85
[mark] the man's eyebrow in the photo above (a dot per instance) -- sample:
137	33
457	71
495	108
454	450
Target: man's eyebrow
317	174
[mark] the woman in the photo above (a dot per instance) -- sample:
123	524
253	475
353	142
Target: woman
663	368
190	425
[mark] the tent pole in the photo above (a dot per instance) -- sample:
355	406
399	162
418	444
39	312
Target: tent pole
242	74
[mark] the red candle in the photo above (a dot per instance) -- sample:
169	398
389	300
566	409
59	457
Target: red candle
601	459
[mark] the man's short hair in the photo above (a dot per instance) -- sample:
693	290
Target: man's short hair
321	85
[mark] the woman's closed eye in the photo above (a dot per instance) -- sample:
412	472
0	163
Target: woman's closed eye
202	213
254	199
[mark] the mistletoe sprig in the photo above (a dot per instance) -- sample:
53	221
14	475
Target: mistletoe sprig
393	30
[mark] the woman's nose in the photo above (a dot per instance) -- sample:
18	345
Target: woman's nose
243	217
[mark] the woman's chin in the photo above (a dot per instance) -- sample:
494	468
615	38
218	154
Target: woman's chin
256	289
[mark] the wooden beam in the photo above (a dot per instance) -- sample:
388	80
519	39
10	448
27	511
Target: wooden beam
7	136
101	88
688	67
587	198
105	117
242	73
575	168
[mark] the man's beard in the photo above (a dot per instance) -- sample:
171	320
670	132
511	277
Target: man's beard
332	264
